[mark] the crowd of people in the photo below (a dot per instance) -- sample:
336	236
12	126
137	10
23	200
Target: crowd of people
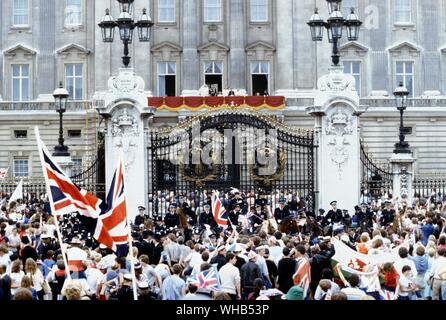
179	252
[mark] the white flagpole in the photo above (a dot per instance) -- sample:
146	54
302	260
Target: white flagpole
132	264
50	198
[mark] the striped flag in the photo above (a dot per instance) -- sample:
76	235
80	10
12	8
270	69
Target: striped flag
103	220
302	277
113	228
219	211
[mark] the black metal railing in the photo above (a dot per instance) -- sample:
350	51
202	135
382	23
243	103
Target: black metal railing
430	186
376	179
237	168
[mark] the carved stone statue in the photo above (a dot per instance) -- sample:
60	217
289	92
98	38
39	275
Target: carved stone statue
339	125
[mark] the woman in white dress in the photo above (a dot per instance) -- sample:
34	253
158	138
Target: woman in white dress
16	276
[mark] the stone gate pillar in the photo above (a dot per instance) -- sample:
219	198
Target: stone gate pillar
125	110
336	111
402	169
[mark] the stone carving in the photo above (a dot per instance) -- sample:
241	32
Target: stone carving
336	81
339	125
125	83
124	129
404	183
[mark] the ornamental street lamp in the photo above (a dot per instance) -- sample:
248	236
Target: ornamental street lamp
126	25
401	95
334	25
61	97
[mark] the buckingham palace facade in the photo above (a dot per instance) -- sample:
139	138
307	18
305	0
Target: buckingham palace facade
251	46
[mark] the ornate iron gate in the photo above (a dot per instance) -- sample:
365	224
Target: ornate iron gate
377	179
230	148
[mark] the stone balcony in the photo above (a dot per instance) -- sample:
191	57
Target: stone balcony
72	106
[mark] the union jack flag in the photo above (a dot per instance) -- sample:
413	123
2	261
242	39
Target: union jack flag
386	295
112	223
207	280
219	211
103	220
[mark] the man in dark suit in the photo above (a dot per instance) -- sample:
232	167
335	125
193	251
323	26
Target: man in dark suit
5	284
206	217
27	251
172	219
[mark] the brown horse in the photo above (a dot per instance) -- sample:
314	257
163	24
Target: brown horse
289	226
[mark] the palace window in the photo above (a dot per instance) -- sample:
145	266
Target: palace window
212	10
405	73
213	75
167	79
21	168
354	68
20	82
260	77
403	11
20	13
74	80
73	13
259	10
166	11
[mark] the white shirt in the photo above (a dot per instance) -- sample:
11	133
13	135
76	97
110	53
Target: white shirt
16	279
229	277
37	280
94	278
438	267
194	259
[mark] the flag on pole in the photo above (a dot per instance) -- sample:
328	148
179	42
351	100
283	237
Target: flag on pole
219	211
97	216
113	223
18	192
3	173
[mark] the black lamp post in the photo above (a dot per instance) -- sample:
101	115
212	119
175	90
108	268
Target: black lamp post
401	94
126	25
61	97
334	26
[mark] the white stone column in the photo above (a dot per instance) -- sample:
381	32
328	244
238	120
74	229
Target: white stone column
65	163
402	169
285	54
336	112
125	109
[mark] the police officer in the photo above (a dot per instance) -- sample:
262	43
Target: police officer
237	200
334	215
259	216
282	211
172	219
388	214
141	217
365	216
234	214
